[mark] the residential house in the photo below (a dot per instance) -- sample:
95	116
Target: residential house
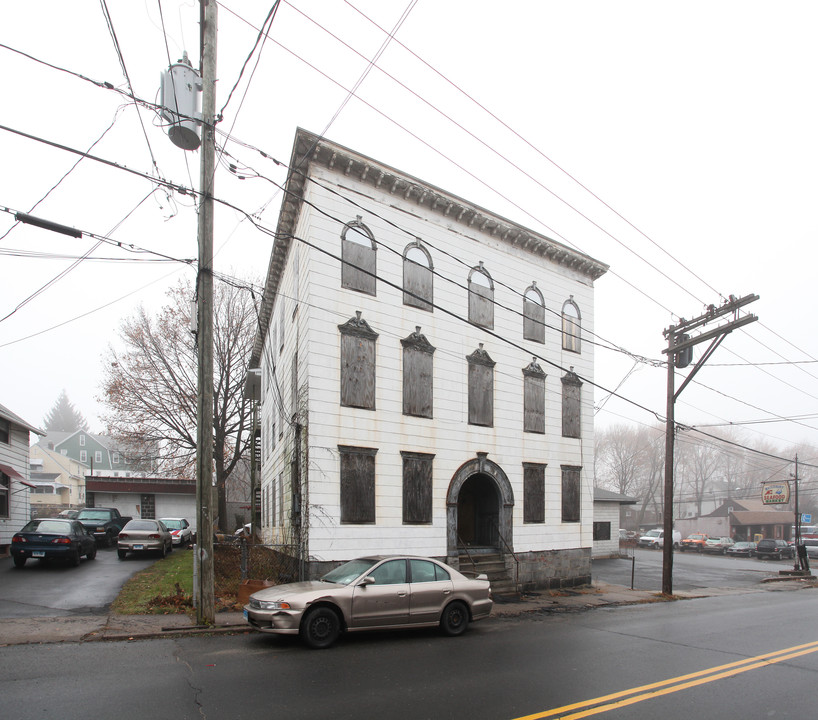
14	483
59	481
607	507
100	453
426	377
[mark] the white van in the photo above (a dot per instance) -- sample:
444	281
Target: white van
656	539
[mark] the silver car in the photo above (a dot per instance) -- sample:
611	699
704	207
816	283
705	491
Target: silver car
144	536
372	593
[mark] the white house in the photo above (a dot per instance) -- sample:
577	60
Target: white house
14	483
426	377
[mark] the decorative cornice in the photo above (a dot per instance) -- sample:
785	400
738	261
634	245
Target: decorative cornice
533	369
571	378
417	341
359	327
480	357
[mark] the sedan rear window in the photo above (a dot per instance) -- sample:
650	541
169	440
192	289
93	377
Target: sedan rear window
48	526
141	525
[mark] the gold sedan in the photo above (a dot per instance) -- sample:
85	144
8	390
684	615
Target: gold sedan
370	593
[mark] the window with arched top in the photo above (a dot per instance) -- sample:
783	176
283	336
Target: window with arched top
418	281
534	314
358	257
571	326
481	297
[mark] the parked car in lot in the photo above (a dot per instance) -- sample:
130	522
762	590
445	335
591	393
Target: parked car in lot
775	549
52	539
656	539
718	545
180	531
741	549
694	541
144	536
372	593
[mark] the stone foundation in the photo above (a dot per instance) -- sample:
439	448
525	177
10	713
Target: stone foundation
553	569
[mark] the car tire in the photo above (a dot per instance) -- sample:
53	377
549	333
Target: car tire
163	553
122	554
74	558
320	627
19	561
170	548
455	618
92	553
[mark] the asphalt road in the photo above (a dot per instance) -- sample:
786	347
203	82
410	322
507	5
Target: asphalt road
53	589
716	657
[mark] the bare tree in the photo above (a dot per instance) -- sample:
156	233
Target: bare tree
149	386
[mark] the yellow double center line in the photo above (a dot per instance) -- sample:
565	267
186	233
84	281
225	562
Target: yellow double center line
623	698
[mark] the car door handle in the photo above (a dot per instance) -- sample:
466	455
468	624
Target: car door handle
447	592
402	593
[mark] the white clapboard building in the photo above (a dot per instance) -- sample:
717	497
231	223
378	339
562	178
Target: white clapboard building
425	378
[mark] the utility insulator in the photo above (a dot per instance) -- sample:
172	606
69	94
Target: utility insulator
181	103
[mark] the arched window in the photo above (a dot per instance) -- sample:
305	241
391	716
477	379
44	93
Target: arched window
481	297
358	259
534	315
418	282
571	326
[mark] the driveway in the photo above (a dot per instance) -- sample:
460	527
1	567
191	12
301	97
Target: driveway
54	589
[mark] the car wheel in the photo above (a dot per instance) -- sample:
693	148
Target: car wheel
163	552
74	558
320	627
455	618
121	554
92	553
19	561
170	548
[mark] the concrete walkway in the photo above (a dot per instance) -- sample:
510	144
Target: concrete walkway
90	628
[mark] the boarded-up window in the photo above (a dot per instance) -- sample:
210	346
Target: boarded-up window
534	315
571	326
602	530
358	257
571	405
294	385
418	281
357	484
533	493
481	297
417	488
417	375
357	363
481	388
533	398
570	493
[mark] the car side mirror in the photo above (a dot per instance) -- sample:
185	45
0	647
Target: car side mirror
368	580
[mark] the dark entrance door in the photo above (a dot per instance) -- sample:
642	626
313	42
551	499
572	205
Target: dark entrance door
478	512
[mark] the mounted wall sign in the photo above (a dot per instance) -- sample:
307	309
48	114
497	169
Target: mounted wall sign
775	493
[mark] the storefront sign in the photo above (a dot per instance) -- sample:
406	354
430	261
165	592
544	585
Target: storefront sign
775	493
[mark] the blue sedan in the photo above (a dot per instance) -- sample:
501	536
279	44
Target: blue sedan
52	539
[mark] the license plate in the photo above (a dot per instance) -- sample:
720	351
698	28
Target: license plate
138	547
38	553
245	613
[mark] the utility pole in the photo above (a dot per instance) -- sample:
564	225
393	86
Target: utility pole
679	353
206	606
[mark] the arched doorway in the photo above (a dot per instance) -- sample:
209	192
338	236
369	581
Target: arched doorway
478	512
479	507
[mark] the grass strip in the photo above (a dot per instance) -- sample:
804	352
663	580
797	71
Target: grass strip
166	587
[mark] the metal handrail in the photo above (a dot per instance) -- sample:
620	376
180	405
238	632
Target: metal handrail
513	554
460	544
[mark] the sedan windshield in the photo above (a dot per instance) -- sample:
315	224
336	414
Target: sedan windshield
173	524
346	573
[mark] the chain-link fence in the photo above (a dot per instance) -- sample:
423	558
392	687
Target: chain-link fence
241	560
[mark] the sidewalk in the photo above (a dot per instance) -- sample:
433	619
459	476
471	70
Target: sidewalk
95	628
